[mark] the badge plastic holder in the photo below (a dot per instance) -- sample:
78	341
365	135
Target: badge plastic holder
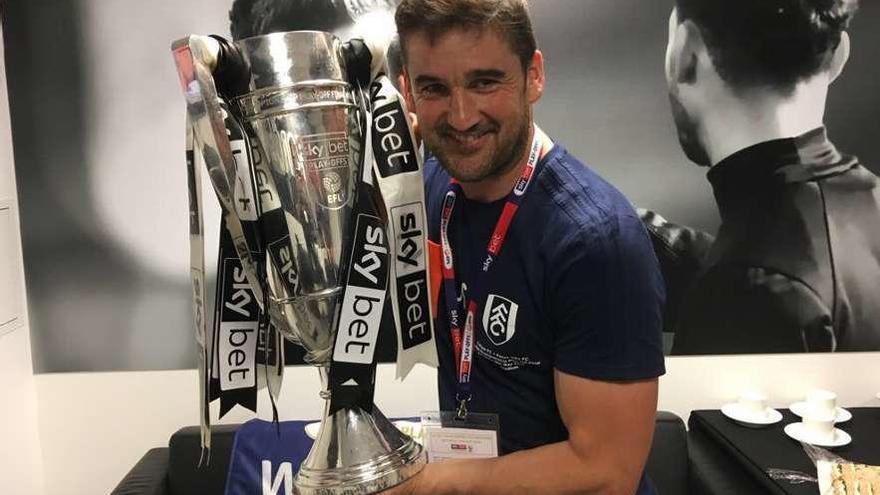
452	435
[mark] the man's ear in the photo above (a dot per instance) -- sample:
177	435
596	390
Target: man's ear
685	47
535	77
838	60
406	89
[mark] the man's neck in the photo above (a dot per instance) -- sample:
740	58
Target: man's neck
498	187
747	122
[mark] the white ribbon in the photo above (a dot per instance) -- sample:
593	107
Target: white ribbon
398	169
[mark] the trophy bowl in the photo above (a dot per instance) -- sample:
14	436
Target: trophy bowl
307	122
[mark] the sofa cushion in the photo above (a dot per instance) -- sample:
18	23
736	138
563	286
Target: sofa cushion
667	464
185	476
147	477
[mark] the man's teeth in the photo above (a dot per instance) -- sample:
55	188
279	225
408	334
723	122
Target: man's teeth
468	138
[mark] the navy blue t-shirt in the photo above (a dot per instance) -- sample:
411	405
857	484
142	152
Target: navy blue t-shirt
576	288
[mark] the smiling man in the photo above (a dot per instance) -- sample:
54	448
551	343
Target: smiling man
551	301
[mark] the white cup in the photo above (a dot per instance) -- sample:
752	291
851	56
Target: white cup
818	426
753	403
821	402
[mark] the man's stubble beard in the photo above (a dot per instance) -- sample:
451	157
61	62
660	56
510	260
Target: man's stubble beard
504	159
688	135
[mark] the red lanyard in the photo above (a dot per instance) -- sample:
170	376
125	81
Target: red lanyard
463	339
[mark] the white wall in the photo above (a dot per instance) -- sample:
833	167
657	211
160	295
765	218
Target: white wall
97	425
21	470
708	382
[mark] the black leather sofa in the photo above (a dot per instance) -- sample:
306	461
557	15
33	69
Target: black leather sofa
173	470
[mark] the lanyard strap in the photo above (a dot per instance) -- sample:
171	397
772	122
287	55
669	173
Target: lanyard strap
463	338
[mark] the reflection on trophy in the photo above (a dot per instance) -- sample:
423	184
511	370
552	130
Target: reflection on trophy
307	120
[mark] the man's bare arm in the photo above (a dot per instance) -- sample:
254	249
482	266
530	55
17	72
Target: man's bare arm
610	427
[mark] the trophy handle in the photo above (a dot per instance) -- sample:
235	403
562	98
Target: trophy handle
197	58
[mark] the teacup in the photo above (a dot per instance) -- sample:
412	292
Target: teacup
753	403
821	401
818	426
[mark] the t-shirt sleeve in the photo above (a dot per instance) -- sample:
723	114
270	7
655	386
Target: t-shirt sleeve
605	298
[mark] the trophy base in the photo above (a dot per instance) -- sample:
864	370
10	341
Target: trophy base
357	452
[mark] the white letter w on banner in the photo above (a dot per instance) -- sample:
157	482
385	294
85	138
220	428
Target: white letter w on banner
271	486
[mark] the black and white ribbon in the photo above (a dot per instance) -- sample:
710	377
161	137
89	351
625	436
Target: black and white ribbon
353	366
270	346
197	277
228	356
399	175
396	250
236	328
237	315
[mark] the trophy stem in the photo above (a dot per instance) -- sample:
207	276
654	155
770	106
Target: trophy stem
357	452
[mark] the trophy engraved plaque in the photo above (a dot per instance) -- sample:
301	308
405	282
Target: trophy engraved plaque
320	249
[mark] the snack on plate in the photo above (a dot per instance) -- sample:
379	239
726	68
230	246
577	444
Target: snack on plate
848	478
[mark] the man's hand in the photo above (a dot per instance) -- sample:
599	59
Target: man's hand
610	426
438	477
415	485
408	487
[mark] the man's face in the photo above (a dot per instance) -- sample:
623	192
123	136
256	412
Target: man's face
472	99
685	122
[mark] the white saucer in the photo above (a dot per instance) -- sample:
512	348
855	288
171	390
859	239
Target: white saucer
841	416
735	412
796	431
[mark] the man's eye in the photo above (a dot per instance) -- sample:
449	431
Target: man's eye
433	90
484	84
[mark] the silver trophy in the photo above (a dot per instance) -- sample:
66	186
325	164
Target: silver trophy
306	118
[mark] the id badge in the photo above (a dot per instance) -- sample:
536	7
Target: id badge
448	436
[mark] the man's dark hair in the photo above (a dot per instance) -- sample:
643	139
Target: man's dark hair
774	43
509	18
257	17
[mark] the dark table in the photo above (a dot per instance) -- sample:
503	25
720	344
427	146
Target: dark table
729	458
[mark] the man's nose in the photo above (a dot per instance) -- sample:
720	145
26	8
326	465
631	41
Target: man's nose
463	112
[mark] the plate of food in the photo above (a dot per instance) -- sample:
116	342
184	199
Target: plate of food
847	478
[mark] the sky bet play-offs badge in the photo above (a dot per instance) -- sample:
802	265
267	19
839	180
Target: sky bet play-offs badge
326	160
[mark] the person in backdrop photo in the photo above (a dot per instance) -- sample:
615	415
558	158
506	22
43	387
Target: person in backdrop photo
548	262
249	18
796	260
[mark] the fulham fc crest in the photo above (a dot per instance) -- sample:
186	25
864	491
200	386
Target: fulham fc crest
499	319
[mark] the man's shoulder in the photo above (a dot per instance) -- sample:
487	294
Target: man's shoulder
763	282
582	204
436	183
790	238
736	308
436	177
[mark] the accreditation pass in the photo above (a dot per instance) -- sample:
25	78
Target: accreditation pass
447	437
